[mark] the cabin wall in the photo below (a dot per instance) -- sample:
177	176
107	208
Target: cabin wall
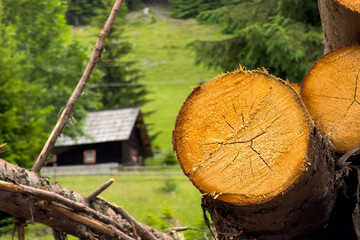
105	153
127	153
132	153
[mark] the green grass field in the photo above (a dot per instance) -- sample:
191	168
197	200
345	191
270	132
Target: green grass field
159	48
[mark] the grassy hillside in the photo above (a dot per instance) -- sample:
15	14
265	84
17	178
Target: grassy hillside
159	47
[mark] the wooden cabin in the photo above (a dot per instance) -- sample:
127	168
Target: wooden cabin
111	136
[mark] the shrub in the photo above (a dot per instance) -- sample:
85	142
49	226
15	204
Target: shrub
169	185
170	159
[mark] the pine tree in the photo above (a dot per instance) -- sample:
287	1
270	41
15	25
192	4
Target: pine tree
119	86
284	36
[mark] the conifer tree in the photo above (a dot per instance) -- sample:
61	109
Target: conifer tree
281	35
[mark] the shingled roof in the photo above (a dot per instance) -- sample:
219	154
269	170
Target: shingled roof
109	126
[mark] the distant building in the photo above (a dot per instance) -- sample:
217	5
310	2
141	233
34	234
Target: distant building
111	136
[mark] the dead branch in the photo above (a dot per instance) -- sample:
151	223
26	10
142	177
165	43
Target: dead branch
91	223
132	220
97	192
342	160
40	161
62	209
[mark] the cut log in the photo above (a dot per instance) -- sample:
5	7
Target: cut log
247	142
331	93
340	23
295	86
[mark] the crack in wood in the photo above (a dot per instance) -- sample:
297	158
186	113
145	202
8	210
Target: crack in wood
356	83
228	123
261	157
230	143
234	108
232	162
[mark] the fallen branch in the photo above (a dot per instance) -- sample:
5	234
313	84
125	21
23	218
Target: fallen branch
54	197
132	220
40	160
62	209
341	162
97	192
107	230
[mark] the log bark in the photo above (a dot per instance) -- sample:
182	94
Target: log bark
340	23
331	93
29	197
247	142
295	86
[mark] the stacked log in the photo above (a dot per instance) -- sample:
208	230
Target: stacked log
331	93
247	142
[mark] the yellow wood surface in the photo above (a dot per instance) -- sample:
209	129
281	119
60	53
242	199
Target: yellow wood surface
331	92
353	5
243	137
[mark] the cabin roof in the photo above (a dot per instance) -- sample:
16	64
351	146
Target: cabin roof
108	126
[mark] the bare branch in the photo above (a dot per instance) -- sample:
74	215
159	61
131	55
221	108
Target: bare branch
40	160
342	160
91	223
131	219
21	187
21	231
97	192
52	196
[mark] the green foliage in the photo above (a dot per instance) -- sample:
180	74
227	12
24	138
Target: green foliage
39	67
169	185
6	223
272	34
80	12
133	5
170	159
191	8
163	221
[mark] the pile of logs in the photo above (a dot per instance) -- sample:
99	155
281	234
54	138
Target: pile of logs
272	160
265	153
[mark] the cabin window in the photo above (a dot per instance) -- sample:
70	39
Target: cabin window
89	156
51	159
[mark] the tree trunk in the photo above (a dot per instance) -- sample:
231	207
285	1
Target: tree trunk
331	91
247	142
340	23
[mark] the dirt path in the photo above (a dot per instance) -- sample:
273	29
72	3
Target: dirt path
161	10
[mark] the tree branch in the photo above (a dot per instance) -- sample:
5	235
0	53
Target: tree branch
132	220
97	192
342	160
91	223
44	202
40	160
